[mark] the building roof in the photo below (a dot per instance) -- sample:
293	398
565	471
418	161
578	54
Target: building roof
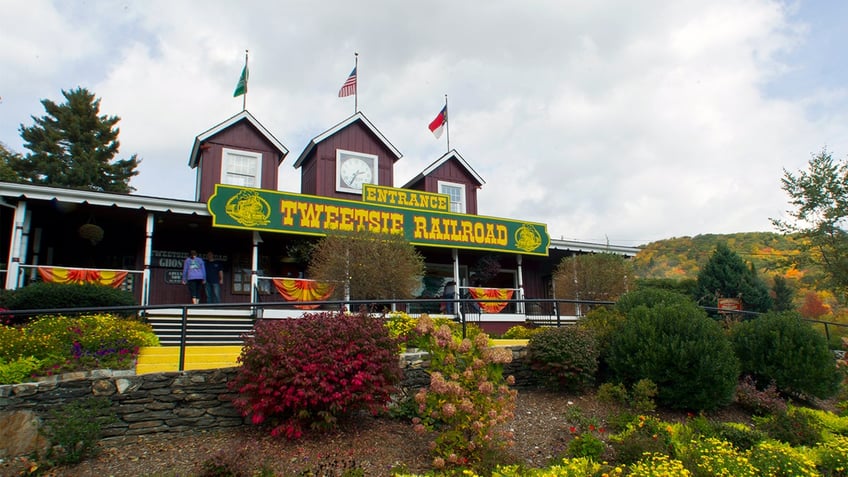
338	127
242	116
588	247
155	204
106	199
438	162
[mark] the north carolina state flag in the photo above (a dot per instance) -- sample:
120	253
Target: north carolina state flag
437	126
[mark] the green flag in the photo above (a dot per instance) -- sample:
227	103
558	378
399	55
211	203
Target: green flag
241	87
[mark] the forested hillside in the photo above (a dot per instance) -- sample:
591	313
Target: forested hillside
681	258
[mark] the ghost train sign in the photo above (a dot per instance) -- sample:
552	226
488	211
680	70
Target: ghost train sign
274	211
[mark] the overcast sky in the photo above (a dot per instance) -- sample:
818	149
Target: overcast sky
610	121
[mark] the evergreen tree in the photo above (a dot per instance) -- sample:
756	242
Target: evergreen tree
8	162
726	275
74	146
782	294
819	197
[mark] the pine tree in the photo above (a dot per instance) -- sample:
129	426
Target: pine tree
819	200
8	161
783	294
727	275
74	146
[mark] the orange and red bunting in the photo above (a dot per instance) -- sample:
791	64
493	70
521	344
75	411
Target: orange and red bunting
491	293
298	289
79	276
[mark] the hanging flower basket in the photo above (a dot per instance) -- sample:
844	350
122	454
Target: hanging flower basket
91	232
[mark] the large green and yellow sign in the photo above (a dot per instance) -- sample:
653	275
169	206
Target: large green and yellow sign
274	211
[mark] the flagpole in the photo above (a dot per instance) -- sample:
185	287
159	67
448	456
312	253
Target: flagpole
244	99
447	122
356	85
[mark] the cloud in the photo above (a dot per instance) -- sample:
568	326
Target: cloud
618	121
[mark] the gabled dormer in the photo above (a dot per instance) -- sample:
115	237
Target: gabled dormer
239	151
450	175
338	161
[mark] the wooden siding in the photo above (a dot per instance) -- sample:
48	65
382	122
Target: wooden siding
451	171
244	137
318	171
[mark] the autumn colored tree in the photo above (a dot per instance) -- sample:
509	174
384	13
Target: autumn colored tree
819	215
813	306
726	275
592	277
372	266
75	146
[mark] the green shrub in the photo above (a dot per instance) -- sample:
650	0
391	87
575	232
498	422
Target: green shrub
792	427
649	297
741	436
75	428
586	444
829	421
681	350
778	459
43	295
18	370
603	322
711	456
832	457
613	393
61	343
782	348
520	332
644	435
618	421
642	395
640	398
564	358
403	328
314	370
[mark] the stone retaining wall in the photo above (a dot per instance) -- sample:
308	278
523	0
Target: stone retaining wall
156	402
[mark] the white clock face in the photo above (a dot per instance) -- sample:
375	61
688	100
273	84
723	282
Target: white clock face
355	172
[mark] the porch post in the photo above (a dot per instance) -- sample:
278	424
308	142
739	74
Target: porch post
456	294
148	256
518	259
14	265
25	246
254	268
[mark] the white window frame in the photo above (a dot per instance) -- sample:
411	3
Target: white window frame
462	196
226	167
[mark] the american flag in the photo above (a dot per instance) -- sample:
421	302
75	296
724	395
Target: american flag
349	86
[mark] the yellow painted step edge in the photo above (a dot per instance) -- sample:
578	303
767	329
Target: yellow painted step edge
161	359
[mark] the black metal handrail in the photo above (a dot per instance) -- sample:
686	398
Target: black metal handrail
545	311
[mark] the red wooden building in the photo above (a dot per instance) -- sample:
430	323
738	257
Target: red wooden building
148	237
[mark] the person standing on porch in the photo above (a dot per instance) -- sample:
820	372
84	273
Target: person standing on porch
194	275
449	294
214	278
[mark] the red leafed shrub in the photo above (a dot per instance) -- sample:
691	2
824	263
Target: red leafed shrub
311	371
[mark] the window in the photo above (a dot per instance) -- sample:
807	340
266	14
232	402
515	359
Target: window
241	168
456	193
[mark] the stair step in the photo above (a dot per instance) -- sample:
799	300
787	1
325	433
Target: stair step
162	359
